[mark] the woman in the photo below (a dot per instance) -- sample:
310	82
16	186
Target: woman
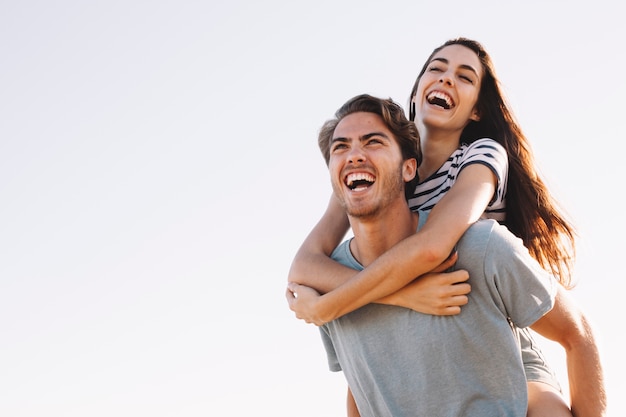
467	131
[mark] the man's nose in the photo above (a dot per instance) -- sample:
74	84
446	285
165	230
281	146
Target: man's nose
356	155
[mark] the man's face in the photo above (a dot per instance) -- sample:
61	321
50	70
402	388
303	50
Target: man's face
366	165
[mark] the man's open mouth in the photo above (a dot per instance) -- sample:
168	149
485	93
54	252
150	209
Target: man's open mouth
359	180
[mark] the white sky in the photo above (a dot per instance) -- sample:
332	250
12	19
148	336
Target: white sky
159	169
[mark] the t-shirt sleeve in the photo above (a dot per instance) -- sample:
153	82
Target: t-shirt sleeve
331	355
342	255
490	153
524	289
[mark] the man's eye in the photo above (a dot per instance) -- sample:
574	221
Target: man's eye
338	147
374	141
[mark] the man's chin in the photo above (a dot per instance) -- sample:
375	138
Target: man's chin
362	212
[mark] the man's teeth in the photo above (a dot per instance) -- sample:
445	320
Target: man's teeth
359	180
440	99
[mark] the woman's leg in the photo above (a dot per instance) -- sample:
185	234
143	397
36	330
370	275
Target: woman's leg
546	401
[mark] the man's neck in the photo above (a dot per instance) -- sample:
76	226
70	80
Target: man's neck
375	236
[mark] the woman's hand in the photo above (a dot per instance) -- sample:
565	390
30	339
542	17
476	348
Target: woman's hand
302	301
436	293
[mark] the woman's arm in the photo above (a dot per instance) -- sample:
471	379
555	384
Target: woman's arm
312	265
436	293
463	204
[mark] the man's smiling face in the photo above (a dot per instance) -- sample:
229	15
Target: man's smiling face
366	165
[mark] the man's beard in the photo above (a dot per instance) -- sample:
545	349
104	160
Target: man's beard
392	186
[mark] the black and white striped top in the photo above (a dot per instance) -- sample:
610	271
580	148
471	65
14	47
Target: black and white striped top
483	151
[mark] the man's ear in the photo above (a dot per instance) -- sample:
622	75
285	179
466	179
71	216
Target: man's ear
409	169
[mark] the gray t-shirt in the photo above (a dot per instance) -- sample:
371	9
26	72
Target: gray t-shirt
402	363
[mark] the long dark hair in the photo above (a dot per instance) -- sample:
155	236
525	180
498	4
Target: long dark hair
531	213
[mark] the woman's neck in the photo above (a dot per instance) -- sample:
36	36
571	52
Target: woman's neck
436	149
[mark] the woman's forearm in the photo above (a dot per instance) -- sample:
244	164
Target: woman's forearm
404	262
323	274
419	253
312	265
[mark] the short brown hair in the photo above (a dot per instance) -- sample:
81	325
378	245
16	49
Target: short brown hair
404	131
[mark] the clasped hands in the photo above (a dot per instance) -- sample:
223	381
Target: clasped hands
436	293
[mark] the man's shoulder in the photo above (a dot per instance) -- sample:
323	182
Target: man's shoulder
482	229
478	235
343	255
340	250
485	226
488	228
491	235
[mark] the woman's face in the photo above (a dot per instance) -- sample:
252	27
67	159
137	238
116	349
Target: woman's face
447	92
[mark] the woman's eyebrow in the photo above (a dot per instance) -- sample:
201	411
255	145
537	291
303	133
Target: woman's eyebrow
469	68
463	66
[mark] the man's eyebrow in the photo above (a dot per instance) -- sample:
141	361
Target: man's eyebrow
463	66
369	135
338	139
362	138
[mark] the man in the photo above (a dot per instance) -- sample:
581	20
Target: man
402	363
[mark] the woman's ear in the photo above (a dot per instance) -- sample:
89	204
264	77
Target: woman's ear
475	115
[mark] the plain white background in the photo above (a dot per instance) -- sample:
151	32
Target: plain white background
159	169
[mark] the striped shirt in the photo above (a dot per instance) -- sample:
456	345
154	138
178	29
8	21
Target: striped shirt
483	151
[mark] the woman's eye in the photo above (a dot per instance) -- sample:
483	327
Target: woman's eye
466	78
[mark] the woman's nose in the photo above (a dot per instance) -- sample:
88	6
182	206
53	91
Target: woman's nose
446	79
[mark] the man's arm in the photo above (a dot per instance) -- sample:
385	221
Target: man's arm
567	325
